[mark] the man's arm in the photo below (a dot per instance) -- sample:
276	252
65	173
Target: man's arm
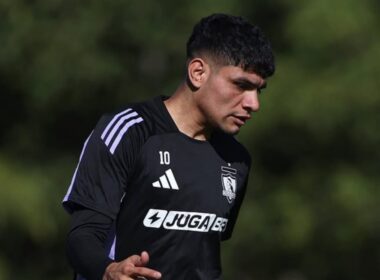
85	245
87	253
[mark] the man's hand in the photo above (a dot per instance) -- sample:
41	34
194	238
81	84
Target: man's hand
131	268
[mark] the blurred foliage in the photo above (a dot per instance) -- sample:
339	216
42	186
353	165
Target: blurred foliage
312	209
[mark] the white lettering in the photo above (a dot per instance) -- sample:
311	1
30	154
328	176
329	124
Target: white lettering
186	221
220	224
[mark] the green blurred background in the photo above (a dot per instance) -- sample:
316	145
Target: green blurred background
312	209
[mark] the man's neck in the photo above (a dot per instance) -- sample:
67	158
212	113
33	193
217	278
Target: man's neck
184	111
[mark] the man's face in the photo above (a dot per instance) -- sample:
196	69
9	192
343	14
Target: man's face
229	96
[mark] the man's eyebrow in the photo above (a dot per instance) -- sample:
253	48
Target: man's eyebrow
249	83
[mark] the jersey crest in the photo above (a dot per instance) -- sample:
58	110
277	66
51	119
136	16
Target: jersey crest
229	183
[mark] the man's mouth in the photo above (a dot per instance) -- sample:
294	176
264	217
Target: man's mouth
241	119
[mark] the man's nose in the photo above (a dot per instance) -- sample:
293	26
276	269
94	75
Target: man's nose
251	101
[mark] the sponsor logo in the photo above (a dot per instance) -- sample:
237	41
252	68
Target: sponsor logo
166	181
229	183
182	220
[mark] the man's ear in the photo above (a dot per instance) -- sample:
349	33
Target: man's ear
197	72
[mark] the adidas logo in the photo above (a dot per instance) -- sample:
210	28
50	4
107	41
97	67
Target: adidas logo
166	181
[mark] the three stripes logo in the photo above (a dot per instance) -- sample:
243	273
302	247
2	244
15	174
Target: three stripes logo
166	181
118	126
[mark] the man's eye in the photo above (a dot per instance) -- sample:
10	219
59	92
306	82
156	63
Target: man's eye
243	86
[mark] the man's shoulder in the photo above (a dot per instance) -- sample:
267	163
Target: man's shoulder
127	113
134	122
151	113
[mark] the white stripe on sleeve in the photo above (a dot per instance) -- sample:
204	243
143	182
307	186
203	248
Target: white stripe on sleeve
112	121
76	169
122	132
118	125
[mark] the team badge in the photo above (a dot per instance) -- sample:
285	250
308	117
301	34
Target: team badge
229	183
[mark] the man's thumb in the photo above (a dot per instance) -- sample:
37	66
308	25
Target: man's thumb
144	258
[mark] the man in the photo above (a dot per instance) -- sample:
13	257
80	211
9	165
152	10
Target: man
160	184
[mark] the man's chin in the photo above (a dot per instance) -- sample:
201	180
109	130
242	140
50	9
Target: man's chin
235	132
231	130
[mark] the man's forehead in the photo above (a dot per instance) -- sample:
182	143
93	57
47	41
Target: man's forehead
238	73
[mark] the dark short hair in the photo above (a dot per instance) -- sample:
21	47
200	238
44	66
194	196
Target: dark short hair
231	40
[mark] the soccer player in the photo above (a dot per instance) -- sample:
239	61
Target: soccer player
159	185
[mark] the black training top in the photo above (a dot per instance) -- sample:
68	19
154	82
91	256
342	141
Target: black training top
169	194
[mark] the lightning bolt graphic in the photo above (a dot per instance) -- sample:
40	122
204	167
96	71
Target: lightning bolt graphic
154	218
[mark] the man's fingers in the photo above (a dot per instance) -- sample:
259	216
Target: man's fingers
146	272
134	266
131	268
141	271
134	259
137	260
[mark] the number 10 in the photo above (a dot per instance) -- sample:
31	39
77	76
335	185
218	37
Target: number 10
164	157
